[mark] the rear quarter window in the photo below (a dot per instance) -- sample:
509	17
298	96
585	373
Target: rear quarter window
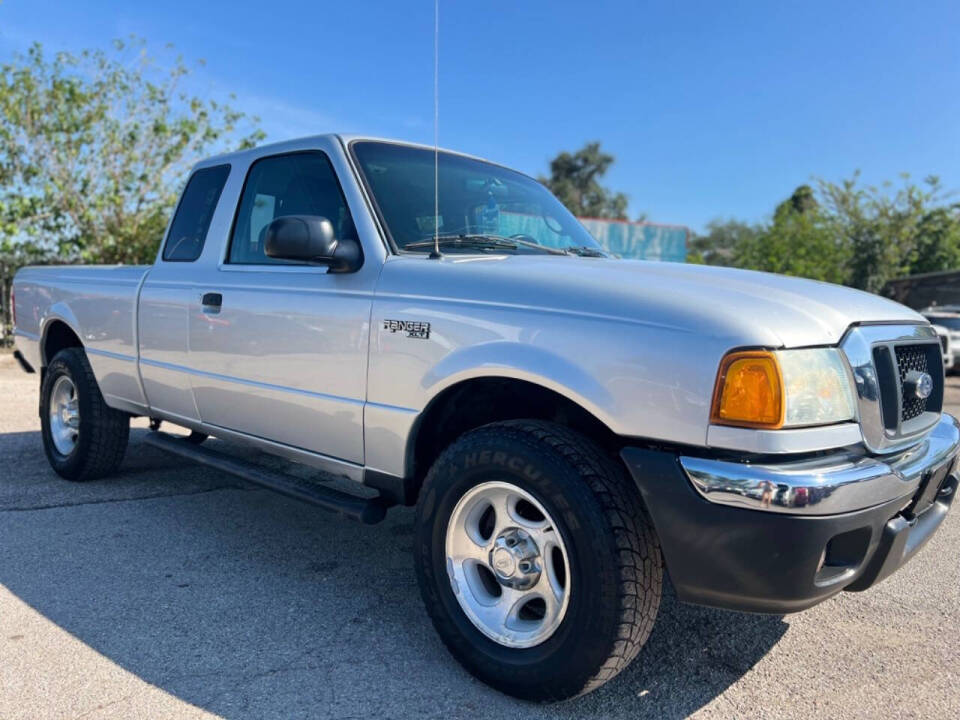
188	231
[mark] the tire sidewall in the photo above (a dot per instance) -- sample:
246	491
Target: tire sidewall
583	640
67	363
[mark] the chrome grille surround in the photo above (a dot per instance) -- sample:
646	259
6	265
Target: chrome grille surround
896	430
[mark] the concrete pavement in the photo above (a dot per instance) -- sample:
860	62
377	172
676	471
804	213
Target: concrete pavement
173	591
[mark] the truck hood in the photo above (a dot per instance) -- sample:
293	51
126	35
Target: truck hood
746	307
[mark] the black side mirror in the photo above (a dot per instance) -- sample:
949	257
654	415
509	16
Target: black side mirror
310	238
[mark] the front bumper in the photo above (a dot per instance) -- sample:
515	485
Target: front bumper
837	483
781	538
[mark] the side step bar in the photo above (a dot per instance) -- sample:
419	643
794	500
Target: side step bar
367	510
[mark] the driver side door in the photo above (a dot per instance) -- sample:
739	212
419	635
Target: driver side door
279	348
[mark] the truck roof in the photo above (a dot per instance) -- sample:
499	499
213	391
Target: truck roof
297	143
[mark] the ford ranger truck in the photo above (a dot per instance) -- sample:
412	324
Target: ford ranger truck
571	427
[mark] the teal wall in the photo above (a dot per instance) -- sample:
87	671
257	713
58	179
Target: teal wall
637	241
640	241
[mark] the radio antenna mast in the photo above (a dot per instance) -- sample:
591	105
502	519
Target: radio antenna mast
436	130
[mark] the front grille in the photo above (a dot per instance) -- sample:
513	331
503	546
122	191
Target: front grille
894	364
911	357
887	362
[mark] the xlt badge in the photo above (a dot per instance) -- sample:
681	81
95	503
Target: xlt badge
413	328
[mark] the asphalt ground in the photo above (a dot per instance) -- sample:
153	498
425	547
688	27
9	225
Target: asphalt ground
171	590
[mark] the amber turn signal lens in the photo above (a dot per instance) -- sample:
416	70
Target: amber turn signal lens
749	391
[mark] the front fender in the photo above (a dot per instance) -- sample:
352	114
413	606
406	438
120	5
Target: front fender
389	429
537	365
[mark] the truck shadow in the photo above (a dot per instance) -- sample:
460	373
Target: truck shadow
249	605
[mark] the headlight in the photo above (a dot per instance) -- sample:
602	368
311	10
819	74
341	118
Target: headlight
783	388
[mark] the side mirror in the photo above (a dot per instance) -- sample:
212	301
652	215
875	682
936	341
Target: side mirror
310	238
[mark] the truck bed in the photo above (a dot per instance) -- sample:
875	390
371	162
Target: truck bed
99	304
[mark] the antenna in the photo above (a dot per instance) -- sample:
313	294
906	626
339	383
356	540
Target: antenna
436	130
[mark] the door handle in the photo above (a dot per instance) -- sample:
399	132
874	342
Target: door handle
211	302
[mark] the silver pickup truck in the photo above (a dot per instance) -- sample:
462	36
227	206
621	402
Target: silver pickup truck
569	425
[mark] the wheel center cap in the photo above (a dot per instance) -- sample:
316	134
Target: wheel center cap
503	562
515	559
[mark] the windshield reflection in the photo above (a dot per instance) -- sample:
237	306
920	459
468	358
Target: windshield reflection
486	206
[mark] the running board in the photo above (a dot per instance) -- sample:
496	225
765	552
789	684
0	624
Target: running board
367	510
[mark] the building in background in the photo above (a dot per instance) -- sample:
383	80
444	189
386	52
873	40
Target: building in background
640	240
936	289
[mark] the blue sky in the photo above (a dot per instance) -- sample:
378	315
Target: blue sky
713	109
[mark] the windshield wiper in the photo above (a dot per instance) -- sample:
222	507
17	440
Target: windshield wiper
467	241
481	242
585	251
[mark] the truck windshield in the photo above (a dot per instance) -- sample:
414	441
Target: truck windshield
481	205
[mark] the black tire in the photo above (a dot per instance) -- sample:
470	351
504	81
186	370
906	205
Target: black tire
615	560
103	432
196	438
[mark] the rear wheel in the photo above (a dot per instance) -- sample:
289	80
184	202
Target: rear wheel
535	559
83	438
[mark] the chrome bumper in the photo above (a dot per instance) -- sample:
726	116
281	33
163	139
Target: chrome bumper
830	485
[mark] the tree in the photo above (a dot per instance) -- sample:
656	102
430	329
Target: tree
938	241
885	231
844	233
93	150
722	238
575	180
95	146
800	241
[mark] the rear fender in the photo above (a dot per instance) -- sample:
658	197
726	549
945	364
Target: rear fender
58	312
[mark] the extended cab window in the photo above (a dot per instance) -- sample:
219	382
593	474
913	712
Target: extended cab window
188	231
296	184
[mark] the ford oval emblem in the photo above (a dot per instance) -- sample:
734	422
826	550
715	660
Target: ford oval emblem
924	386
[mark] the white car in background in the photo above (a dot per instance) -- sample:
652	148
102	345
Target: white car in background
947	345
946	321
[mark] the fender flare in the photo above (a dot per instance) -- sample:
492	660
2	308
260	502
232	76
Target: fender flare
521	362
58	312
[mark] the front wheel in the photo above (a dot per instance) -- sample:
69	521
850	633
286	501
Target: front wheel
535	559
83	437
